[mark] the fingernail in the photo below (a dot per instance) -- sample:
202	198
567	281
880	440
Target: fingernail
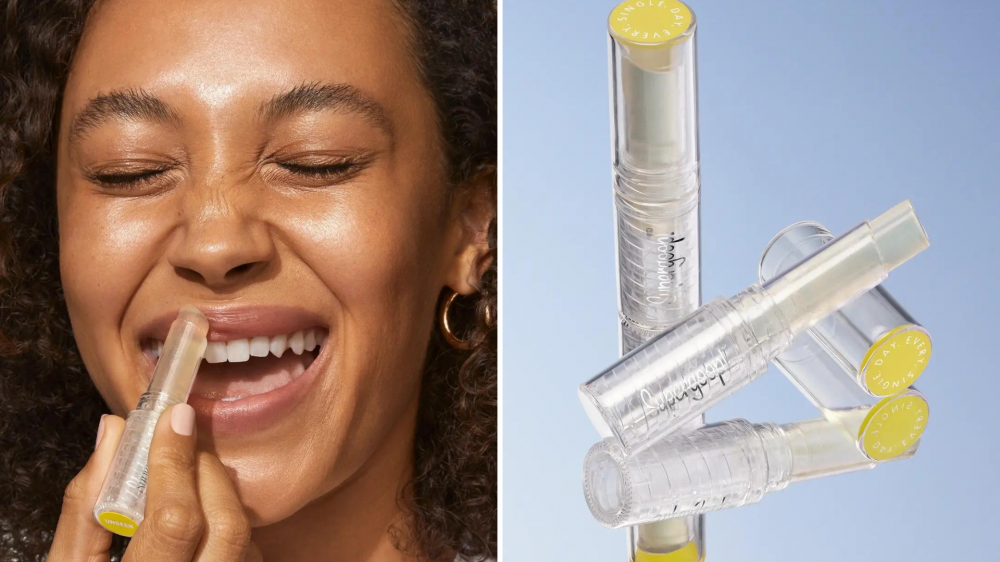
100	432
182	419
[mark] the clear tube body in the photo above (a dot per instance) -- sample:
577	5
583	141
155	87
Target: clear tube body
656	187
656	178
657	250
122	499
870	346
724	465
727	343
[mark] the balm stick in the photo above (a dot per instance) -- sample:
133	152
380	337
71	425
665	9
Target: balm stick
122	499
735	463
727	343
868	349
654	119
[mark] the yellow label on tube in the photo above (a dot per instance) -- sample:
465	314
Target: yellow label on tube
896	360
118	523
892	426
650	22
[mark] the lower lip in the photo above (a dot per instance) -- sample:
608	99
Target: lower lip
257	412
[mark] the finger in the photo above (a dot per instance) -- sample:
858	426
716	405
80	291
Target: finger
172	523
78	535
227	532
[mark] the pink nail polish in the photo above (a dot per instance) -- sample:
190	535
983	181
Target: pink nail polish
100	432
182	419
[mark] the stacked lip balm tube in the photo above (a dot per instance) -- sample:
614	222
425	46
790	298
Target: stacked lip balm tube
656	180
818	314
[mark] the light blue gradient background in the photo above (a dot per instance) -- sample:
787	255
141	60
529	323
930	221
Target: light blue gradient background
832	111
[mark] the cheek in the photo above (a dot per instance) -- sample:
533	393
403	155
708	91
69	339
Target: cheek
380	256
381	259
101	252
104	252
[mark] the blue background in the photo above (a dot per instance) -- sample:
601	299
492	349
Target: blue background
831	111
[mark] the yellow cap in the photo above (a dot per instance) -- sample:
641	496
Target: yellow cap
893	425
687	553
117	523
650	22
895	360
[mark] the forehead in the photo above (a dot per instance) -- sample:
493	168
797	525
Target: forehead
224	48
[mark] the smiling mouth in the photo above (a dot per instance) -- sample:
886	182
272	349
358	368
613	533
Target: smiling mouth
240	368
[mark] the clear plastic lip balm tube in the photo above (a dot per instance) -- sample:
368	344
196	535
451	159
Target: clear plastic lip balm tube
871	347
727	343
654	129
122	499
735	463
656	180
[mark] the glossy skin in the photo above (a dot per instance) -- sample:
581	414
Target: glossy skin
230	215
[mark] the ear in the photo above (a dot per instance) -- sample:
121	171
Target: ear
473	208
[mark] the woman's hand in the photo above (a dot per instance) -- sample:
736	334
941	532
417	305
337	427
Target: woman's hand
192	510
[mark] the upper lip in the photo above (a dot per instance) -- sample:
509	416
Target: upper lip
227	323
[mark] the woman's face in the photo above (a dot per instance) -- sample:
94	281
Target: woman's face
277	165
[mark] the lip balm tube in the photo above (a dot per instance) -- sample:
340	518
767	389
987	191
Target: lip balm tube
122	499
727	343
656	187
870	348
735	463
656	177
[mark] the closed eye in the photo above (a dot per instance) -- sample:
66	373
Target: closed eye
126	181
325	171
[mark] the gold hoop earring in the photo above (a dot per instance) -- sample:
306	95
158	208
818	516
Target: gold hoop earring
446	331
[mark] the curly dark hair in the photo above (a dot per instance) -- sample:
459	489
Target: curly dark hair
48	405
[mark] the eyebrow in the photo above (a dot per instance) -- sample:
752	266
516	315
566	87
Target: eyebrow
131	104
137	104
316	96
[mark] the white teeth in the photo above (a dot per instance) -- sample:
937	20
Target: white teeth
238	350
216	352
159	349
297	343
279	344
259	346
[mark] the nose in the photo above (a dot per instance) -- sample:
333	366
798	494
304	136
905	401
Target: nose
221	246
